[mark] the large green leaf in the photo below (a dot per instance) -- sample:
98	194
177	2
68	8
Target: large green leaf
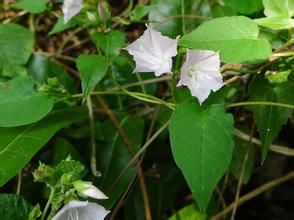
92	68
202	145
235	37
278	14
31	6
20	104
114	156
14	207
16	45
245	7
269	119
19	144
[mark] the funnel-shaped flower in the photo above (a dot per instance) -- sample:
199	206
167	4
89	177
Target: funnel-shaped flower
70	8
81	210
201	73
87	189
153	52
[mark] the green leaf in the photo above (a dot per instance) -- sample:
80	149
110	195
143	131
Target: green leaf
163	10
202	145
246	7
35	213
237	40
73	170
62	149
269	119
92	68
61	26
31	6
278	14
219	10
188	212
279	76
139	12
277	8
16	46
20	104
110	42
240	150
19	144
14	207
276	23
114	156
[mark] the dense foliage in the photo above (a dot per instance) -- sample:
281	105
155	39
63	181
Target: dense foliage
182	141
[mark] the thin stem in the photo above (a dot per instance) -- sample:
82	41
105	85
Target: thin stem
140	83
138	154
143	82
92	138
126	12
52	193
239	71
275	148
183	19
242	174
254	193
285	54
137	95
19	180
31	23
68	38
64	57
237	104
132	152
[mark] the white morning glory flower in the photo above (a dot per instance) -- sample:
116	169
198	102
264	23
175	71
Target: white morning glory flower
70	8
82	210
153	52
87	189
201	73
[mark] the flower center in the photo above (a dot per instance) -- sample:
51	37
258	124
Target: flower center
73	214
192	71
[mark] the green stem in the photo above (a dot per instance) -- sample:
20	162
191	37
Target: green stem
284	105
173	86
52	193
183	19
137	95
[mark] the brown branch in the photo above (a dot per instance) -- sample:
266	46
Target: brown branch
254	193
242	173
132	152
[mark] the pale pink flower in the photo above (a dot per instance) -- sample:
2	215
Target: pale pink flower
89	190
83	210
71	8
153	52
201	73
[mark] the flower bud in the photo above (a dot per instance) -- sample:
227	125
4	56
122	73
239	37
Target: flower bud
88	189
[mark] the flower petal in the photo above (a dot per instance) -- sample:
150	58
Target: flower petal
153	52
201	73
81	210
71	8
